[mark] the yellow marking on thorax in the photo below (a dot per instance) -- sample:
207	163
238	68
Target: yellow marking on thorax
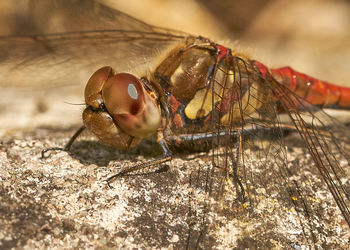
246	106
200	105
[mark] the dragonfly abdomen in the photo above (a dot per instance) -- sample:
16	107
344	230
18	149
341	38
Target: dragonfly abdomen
313	90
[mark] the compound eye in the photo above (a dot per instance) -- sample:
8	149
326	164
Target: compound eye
94	86
123	94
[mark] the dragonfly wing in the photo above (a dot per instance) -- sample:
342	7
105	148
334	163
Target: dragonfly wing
327	142
58	16
289	157
70	59
92	35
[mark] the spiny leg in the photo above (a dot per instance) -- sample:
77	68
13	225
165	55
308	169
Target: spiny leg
67	146
236	164
236	159
183	138
167	157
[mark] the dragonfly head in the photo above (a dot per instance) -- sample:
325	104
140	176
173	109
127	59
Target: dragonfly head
119	110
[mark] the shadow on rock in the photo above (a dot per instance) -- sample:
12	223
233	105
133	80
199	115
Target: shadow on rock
94	152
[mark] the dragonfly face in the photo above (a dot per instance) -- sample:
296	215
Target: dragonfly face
119	110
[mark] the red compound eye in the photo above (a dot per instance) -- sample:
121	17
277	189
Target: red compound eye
123	95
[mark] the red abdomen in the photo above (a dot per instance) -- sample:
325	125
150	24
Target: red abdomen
320	93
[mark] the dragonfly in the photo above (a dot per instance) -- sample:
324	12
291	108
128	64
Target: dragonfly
198	92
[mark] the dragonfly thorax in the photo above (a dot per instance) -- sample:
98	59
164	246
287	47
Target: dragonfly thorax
203	79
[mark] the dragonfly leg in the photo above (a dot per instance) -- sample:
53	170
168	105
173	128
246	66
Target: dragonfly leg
191	138
66	147
237	161
145	165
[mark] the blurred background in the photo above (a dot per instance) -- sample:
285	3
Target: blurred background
311	36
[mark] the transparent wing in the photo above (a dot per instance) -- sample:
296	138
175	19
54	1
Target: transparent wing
280	166
299	188
91	35
57	16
